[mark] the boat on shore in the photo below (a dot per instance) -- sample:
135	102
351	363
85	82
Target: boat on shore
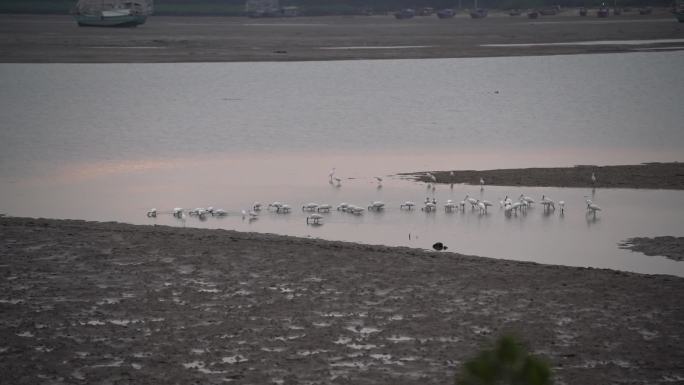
446	13
603	12
679	11
479	13
407	13
112	13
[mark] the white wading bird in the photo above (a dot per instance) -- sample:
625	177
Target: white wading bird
431	177
408	205
472	201
178	212
332	174
256	206
486	204
376	206
314	219
310	206
526	199
429	207
324	208
548	203
482	207
593	178
482	183
152	213
592	207
450	206
561	205
219	213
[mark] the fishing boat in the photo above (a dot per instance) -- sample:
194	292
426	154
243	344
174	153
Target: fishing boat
603	11
112	13
407	13
446	13
478	13
679	11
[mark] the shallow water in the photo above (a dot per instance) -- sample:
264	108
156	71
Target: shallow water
109	141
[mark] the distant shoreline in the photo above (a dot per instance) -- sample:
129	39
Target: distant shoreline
210	39
667	176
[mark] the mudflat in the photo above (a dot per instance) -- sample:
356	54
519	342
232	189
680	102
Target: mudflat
114	303
57	38
647	175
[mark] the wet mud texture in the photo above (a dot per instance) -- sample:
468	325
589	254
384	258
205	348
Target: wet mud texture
107	303
670	247
163	39
648	176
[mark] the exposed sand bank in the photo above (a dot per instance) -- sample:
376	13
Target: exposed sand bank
670	247
649	175
163	39
108	303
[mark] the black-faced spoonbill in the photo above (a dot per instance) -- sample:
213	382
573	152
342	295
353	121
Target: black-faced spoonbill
472	201
178	212
547	203
592	207
450	206
275	205
310	206
314	219
324	208
561	205
408	205
526	199
152	213
256	206
376	206
219	213
429	207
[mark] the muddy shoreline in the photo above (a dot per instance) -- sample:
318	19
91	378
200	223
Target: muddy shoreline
646	176
86	302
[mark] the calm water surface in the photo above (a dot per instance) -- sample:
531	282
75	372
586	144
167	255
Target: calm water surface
108	141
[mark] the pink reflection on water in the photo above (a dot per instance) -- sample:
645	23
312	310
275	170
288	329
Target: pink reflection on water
273	168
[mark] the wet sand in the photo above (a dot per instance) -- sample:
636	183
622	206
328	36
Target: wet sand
85	302
668	246
163	39
649	176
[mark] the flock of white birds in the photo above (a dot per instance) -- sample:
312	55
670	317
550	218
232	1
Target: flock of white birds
315	210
